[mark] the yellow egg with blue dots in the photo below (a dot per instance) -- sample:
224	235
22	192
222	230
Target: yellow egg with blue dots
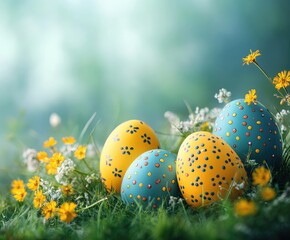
125	143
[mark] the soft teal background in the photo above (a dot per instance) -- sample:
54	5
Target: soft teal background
129	59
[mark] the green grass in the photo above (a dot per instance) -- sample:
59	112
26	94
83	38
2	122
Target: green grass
111	219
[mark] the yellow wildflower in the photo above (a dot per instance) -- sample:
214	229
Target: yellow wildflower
49	209
205	126
33	183
51	168
250	97
251	57
245	207
67	190
19	194
57	158
49	143
18	190
42	156
282	80
80	153
39	199
261	176
68	140
67	212
16	185
268	193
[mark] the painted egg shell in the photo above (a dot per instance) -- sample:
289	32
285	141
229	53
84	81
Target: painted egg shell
208	169
250	129
150	179
122	147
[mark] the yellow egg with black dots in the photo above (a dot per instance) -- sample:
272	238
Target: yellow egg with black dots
208	170
125	143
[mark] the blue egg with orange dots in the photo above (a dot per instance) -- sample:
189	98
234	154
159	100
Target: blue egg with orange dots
251	131
150	179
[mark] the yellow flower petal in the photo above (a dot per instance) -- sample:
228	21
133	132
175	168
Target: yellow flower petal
251	57
251	97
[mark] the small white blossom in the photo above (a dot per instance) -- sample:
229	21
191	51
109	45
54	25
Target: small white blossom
91	178
238	186
54	120
251	162
64	171
195	120
282	118
280	115
283	128
223	96
68	149
173	201
29	158
49	190
214	113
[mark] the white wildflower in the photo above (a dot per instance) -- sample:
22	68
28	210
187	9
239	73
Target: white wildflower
223	96
238	186
251	162
54	120
29	158
283	128
280	115
214	113
90	178
83	198
185	126
49	190
68	149
64	171
173	201
200	115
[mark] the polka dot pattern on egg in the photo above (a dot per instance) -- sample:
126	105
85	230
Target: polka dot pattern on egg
207	168
150	179
250	129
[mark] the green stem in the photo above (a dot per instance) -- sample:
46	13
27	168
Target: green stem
266	75
88	165
262	70
92	205
80	172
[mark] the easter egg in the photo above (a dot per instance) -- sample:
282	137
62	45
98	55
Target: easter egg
251	131
150	179
126	142
208	170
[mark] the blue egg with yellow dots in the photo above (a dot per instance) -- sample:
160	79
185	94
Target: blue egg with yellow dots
251	131
150	179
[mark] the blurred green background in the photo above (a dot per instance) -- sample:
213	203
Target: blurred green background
129	60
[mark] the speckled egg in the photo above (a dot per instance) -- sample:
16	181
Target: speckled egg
122	147
208	170
150	179
250	129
